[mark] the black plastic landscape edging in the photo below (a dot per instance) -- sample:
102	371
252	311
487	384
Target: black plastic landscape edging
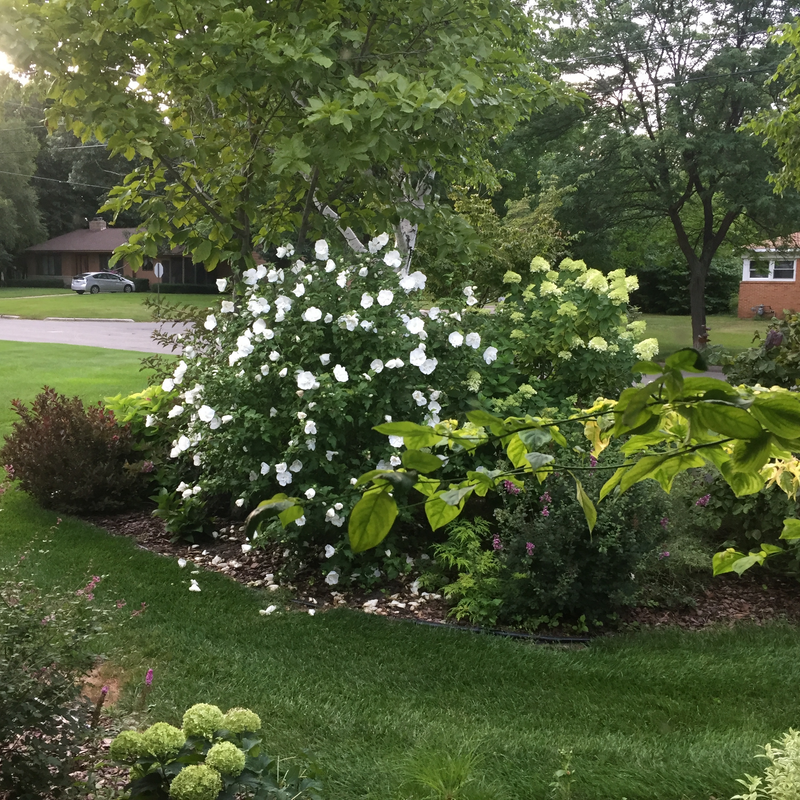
477	629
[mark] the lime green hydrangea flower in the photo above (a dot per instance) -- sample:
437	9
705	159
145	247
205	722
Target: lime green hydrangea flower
202	720
227	758
198	782
127	747
239	720
539	265
512	277
163	741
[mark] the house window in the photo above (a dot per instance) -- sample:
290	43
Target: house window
48	264
765	269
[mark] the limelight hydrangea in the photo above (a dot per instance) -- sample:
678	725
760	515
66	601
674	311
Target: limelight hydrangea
227	758
127	747
163	741
196	782
203	720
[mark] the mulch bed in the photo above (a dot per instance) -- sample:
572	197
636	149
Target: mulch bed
757	597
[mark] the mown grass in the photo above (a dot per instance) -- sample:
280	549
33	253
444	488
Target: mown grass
92	373
673	333
42	303
649	715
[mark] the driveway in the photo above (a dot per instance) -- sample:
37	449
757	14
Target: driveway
91	332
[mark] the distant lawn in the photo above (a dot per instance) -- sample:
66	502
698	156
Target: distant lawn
654	715
89	372
65	303
673	333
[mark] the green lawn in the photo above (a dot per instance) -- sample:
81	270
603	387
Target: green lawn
661	714
41	303
673	333
89	372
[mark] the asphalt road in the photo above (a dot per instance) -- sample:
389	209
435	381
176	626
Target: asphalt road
94	333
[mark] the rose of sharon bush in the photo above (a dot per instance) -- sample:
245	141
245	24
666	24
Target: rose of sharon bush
279	392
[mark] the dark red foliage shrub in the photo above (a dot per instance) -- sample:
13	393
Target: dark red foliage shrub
71	458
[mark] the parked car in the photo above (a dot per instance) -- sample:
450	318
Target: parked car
94	282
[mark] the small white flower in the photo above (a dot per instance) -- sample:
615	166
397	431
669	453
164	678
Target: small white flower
392	259
376	365
367	300
193	587
473	340
182	562
312	314
226	307
490	354
378	243
175	411
206	413
332	578
456	339
222	284
415	325
340	373
168	384
321	250
428	366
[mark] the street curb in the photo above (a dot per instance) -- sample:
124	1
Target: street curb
84	319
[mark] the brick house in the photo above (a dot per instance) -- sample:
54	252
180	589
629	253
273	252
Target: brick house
90	249
769	278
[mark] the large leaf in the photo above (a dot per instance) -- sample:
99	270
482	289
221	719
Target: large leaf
727	420
440	513
778	412
371	519
421	462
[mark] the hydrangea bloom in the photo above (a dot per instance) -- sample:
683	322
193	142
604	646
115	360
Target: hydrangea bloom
196	782
227	758
203	720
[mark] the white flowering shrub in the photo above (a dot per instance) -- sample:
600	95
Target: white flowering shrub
567	333
280	390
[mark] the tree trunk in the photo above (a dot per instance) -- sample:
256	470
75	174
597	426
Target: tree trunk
697	303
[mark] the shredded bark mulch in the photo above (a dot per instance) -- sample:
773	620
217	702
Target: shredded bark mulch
757	597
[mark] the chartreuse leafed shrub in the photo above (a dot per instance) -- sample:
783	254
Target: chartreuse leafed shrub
568	332
279	391
781	778
212	755
48	642
73	458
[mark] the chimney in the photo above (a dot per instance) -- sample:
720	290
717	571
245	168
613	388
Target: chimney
97	224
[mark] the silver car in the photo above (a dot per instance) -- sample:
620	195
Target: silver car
94	282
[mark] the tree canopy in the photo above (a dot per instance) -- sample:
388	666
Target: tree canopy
667	88
255	123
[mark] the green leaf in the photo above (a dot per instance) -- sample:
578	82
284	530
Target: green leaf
723	562
587	505
455	497
421	462
791	529
371	519
727	420
440	513
778	412
687	359
538	460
